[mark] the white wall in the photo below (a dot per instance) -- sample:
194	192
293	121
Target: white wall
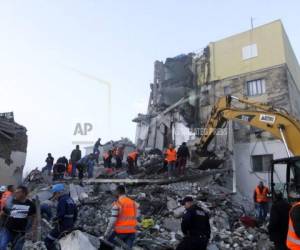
246	178
12	174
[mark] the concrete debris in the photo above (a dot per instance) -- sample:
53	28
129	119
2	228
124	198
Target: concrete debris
78	240
39	245
160	206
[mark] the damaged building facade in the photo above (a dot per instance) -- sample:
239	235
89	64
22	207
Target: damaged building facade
258	64
13	146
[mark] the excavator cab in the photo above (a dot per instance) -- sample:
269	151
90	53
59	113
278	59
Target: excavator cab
291	186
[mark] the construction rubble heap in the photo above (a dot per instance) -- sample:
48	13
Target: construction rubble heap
160	207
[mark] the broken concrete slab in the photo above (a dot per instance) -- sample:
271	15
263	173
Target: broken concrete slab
78	240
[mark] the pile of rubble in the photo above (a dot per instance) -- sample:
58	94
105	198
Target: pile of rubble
160	208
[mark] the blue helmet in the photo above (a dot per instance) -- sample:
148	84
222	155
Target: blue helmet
58	188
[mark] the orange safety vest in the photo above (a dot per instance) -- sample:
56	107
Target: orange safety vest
126	221
133	155
69	168
4	198
292	240
171	155
261	196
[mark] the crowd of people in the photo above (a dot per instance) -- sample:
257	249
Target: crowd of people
75	166
18	212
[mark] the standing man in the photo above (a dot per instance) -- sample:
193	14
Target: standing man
123	220
132	161
183	154
119	156
75	157
49	163
261	200
170	157
195	227
107	156
19	219
279	220
66	214
96	150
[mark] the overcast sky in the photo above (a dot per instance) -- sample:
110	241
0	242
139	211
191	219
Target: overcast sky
47	49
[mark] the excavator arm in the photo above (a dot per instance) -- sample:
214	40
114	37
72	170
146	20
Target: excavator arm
276	121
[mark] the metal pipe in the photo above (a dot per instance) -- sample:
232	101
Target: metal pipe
284	141
234	97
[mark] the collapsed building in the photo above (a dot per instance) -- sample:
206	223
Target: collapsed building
13	146
258	64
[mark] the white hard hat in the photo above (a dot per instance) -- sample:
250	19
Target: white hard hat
2	189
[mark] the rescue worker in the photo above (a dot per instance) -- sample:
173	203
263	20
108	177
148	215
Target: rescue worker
119	155
19	219
170	157
91	165
183	154
107	157
96	150
261	200
66	215
132	161
86	164
75	157
195	227
49	164
60	168
69	168
123	220
278	224
2	190
293	235
7	196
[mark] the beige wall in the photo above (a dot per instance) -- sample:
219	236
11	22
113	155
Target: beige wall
291	59
226	55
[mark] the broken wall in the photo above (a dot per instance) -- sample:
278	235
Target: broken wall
13	146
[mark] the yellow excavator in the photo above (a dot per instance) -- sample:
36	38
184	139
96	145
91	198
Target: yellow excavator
276	121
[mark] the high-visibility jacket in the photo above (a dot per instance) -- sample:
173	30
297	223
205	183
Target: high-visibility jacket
69	168
127	218
133	155
292	240
261	195
4	198
171	155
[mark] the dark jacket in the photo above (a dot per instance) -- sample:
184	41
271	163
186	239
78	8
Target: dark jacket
279	218
75	155
66	212
183	151
49	160
195	222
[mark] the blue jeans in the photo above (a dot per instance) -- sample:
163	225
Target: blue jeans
171	168
90	170
261	210
127	238
74	165
6	237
